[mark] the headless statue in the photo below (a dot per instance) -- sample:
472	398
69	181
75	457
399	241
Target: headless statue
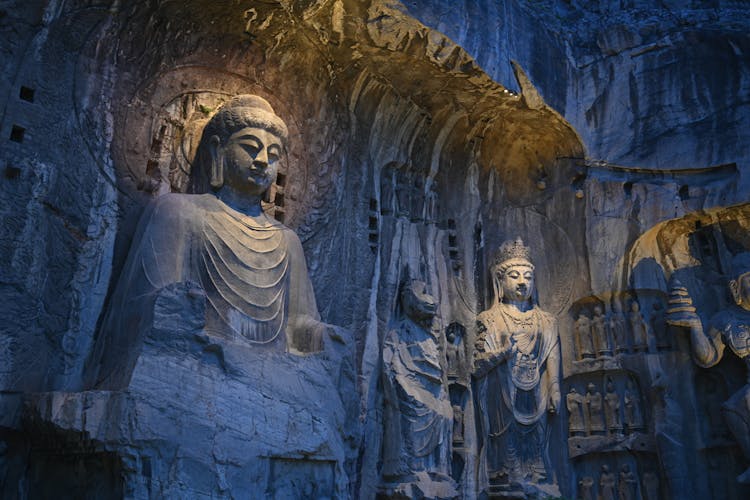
418	412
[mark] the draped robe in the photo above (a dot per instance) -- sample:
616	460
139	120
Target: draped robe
517	371
252	270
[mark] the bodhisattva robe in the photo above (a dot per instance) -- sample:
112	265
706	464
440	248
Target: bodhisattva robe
517	372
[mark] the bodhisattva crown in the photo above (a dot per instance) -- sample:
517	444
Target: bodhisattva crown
513	251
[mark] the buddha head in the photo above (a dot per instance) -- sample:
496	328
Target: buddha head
241	148
739	285
513	273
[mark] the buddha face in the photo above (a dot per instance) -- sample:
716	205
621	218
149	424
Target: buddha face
251	159
517	283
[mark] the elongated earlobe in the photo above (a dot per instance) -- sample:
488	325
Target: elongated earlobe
498	286
734	287
217	163
267	195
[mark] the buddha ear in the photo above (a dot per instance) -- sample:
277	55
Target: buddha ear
734	287
497	285
217	162
267	195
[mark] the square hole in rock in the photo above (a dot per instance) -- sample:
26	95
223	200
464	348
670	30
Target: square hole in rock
26	94
17	133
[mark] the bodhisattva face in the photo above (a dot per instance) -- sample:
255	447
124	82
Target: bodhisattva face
251	159
517	283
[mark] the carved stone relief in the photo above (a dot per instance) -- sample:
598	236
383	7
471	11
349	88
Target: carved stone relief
396	151
517	371
419	418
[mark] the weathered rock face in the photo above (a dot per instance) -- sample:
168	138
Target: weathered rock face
643	86
405	163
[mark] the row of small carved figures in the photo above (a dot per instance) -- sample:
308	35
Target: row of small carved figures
626	488
604	335
592	414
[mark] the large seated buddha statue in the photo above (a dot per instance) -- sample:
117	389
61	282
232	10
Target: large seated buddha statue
247	269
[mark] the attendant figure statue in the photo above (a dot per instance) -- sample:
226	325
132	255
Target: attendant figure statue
454	355
729	328
586	488
517	369
638	328
628	485
633	414
600	333
607	484
584	342
418	412
612	409
594	414
618	327
458	425
248	269
574	403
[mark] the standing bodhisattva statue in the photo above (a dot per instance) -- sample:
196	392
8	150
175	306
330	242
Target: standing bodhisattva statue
517	370
729	328
220	242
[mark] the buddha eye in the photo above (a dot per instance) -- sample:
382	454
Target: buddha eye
274	154
251	148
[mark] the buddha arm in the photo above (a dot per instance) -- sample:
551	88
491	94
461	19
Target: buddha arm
305	331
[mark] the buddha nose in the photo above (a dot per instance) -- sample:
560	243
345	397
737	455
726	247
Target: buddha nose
261	159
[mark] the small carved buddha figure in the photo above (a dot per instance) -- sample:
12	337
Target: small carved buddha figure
612	409
729	328
454	354
576	422
628	485
249	267
584	342
607	484
517	365
586	488
600	334
638	328
633	414
594	414
618	327
418	412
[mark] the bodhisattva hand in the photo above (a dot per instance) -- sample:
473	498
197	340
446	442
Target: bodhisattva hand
680	311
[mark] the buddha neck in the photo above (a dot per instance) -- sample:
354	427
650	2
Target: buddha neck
520	305
240	202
